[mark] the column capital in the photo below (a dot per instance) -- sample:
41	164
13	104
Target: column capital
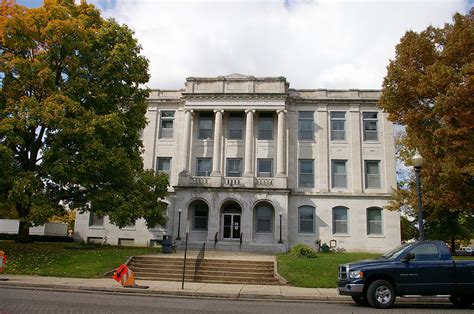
284	111
219	110
249	111
191	111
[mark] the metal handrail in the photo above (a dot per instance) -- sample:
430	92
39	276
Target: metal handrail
216	236
199	258
241	238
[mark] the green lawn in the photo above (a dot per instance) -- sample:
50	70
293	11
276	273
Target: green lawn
318	272
321	272
55	259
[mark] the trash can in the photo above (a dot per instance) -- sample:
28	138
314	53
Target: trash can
166	244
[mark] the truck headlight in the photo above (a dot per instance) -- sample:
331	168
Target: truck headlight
356	274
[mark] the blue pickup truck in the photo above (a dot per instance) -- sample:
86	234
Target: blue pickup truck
421	268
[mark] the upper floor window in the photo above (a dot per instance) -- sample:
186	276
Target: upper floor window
205	126
236	126
163	165
264	167
370	126
203	167
95	220
306	125
372	174
374	220
306	219
265	126
166	124
306	173
338	173
234	167
339	220
338	125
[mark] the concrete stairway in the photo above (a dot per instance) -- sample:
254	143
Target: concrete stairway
211	270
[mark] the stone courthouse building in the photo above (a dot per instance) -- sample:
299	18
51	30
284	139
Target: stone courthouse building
256	165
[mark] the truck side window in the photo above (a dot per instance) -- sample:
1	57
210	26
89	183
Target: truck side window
426	252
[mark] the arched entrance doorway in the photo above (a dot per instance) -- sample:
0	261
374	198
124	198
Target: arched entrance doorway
231	221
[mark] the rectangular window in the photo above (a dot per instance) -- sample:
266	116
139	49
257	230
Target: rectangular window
370	126
265	126
306	219
306	125
163	165
234	167
166	124
306	173
339	220
372	174
95	220
236	126
264	219
201	213
338	126
374	221
203	167
265	168
205	126
125	242
339	177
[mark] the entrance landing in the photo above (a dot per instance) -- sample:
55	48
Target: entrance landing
237	256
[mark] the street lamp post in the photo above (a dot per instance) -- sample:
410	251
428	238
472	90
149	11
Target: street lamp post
281	241
417	162
179	224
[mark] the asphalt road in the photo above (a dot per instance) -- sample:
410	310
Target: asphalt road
40	301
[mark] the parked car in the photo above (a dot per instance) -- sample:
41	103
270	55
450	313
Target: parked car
465	251
420	268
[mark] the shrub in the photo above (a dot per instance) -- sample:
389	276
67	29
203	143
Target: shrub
302	251
325	248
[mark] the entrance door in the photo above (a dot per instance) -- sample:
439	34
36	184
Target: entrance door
231	226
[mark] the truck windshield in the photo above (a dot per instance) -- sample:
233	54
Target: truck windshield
393	254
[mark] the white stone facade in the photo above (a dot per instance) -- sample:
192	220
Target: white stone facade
258	166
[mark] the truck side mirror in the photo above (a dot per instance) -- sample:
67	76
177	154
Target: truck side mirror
408	257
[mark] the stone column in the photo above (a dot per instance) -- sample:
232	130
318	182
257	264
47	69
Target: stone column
281	144
216	156
249	140
188	116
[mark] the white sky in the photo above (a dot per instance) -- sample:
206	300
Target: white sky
314	44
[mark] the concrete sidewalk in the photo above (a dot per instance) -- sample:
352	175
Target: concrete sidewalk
196	289
192	289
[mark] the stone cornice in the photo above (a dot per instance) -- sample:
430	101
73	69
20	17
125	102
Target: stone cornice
281	96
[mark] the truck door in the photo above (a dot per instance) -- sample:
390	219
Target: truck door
427	273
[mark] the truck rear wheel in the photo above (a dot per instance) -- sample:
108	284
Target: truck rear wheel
381	294
461	302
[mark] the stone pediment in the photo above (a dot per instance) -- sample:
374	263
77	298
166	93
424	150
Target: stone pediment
238	76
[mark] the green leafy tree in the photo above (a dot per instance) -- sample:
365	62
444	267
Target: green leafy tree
429	89
71	111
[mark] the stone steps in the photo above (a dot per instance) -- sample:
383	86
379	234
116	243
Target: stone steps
211	270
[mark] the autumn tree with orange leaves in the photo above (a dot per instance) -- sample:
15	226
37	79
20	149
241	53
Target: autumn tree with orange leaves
429	88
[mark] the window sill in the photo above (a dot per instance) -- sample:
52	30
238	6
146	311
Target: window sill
306	234
97	227
166	139
204	140
339	142
307	141
128	229
342	235
375	236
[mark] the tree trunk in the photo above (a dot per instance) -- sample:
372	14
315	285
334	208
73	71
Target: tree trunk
23	232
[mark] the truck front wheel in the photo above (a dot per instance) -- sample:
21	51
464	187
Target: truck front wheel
381	294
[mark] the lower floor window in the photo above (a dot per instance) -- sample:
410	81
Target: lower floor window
201	213
264	215
374	220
